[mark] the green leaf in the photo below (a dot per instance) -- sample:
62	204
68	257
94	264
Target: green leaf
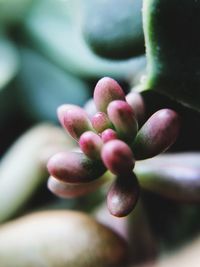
57	34
43	87
12	11
9	62
172	38
23	167
113	29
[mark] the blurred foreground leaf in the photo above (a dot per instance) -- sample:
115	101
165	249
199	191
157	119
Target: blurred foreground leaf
23	167
60	238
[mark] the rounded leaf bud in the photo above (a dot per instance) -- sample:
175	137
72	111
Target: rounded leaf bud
100	122
74	167
74	119
107	90
123	195
108	135
123	118
117	157
157	134
91	144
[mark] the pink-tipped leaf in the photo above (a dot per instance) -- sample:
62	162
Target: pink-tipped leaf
101	122
117	157
74	119
123	195
107	90
123	118
91	144
108	135
157	134
74	167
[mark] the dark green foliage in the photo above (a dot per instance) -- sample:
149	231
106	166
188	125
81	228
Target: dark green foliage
172	40
113	29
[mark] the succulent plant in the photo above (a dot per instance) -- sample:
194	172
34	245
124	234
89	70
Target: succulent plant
111	141
136	143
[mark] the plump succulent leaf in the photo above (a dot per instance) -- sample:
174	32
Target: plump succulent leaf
91	143
113	29
105	91
123	195
69	190
175	176
75	167
74	119
123	118
108	135
157	134
117	157
172	46
101	122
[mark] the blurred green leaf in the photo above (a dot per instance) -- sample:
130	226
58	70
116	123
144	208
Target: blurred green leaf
172	41
43	87
113	29
12	11
23	166
9	61
58	36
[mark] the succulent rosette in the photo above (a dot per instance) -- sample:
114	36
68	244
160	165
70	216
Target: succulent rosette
110	140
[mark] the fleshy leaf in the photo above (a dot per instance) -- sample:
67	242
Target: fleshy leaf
123	118
175	176
107	90
74	167
123	195
91	144
118	157
172	44
113	32
157	134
